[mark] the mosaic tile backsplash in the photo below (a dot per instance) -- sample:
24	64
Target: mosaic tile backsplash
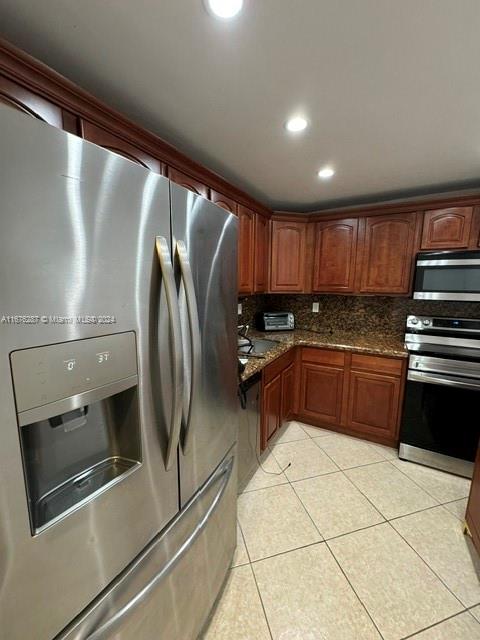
357	314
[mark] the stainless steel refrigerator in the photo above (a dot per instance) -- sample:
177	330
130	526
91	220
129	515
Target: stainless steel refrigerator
118	411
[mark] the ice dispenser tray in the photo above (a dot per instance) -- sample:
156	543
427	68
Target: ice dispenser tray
78	418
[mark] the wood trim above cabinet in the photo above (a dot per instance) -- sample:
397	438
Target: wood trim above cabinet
20	98
447	228
222	201
44	82
116	144
183	180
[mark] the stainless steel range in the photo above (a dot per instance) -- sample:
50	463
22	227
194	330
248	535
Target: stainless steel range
118	409
440	425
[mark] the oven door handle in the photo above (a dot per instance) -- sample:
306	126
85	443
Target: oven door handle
460	383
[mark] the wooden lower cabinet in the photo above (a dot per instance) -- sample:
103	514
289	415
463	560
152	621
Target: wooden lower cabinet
272	404
354	393
288	391
373	403
321	390
473	507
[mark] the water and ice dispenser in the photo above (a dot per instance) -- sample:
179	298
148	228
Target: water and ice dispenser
78	418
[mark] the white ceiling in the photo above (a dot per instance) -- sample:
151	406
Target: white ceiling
391	88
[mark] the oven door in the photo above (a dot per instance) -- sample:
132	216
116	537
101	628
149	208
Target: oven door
441	416
448	278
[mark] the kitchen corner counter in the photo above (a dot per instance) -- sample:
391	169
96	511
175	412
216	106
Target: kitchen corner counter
372	344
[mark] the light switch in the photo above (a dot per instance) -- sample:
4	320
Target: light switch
240	311
315	307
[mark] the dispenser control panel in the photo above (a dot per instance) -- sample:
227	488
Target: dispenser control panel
46	374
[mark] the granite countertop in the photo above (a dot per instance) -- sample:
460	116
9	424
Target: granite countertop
372	344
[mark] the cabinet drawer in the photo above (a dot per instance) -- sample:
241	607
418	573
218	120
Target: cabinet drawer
377	364
323	356
277	366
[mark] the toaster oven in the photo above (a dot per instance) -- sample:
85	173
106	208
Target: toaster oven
275	321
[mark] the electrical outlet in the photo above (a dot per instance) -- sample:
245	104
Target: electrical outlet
240	310
315	307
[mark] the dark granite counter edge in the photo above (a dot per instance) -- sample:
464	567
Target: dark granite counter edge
299	338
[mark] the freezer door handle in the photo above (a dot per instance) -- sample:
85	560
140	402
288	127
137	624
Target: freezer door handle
222	475
166	268
195	337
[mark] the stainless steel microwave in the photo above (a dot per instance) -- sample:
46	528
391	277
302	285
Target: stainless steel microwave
448	275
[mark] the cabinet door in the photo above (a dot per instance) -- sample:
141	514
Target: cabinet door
226	203
335	252
246	250
387	250
289	243
261	254
321	393
373	404
188	182
288	387
272	404
16	96
114	143
447	228
473	507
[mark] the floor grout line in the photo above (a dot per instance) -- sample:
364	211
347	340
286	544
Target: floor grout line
286	480
418	484
261	601
432	626
427	565
287	551
354	591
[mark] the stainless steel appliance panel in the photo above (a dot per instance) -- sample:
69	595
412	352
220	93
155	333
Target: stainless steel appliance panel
439	425
448	275
46	374
77	251
204	244
167	592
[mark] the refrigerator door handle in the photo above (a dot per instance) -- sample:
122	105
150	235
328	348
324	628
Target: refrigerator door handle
195	337
166	268
112	625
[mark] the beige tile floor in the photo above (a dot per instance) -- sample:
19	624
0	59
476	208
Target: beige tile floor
348	543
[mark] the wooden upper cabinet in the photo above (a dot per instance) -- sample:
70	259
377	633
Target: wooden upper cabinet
246	250
186	181
16	96
386	248
335	253
114	143
288	256
447	228
222	201
261	254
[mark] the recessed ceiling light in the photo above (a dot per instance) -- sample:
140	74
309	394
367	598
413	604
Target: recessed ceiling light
326	173
296	124
224	9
